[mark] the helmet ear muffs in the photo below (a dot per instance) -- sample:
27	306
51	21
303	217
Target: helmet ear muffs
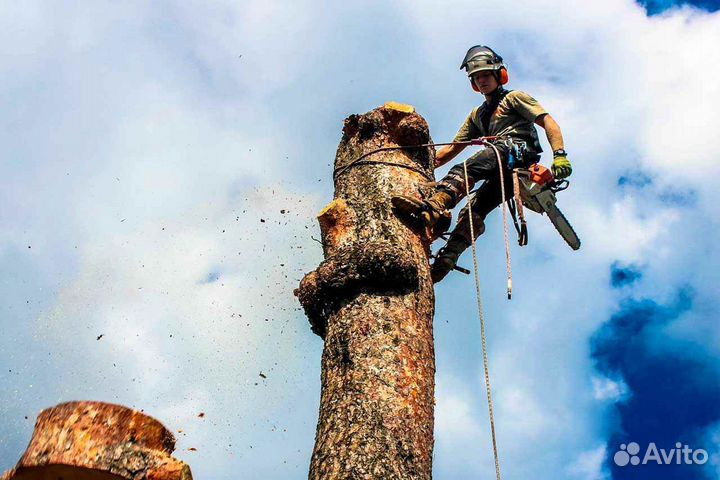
472	84
504	77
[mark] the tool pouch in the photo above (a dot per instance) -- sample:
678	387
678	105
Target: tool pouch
517	152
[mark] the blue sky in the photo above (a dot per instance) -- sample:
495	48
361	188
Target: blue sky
163	163
655	7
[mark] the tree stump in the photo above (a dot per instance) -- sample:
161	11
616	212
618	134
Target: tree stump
98	441
372	301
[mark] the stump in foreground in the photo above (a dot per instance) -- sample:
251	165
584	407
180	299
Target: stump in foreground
98	441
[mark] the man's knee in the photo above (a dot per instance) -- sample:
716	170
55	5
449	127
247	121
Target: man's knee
463	227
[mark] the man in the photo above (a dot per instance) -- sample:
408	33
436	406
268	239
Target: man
505	113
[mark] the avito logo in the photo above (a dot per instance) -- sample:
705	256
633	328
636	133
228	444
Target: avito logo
680	455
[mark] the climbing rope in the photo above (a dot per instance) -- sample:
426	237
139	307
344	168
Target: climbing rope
359	160
508	267
481	314
357	163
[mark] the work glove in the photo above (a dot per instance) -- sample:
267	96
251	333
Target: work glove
561	167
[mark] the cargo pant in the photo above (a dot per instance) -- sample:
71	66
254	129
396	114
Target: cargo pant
480	166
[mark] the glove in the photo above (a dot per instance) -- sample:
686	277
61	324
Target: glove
561	167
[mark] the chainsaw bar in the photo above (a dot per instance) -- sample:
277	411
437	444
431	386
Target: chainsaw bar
562	225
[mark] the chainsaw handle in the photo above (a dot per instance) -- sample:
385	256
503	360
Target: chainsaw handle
559	185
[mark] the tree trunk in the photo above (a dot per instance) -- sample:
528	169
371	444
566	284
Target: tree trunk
98	441
372	301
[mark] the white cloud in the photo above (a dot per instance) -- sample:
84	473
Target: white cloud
255	43
191	310
625	230
608	389
522	413
453	414
589	465
462	435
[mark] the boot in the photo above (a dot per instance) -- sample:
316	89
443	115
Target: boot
431	212
447	257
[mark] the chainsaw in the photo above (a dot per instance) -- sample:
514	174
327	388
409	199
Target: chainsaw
535	188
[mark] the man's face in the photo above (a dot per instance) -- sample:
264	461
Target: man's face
485	81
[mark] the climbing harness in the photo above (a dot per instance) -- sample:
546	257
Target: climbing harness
517	150
533	187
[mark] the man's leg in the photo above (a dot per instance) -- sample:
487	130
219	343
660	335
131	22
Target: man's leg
450	190
483	201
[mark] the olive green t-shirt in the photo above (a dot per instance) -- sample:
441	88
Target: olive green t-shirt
515	116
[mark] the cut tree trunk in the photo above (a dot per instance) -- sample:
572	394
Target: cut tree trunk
98	441
372	301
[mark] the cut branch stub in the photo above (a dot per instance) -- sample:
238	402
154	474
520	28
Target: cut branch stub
372	301
98	441
337	223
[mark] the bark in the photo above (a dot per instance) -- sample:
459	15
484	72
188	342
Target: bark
98	441
372	301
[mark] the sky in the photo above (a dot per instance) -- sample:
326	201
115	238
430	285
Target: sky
162	167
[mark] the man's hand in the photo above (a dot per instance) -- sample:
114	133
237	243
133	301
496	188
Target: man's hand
561	167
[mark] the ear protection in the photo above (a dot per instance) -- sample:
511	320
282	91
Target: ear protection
504	77
501	76
501	73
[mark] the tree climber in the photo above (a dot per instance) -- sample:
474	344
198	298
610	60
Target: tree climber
505	113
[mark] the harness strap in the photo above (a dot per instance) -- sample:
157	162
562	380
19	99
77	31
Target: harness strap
513	215
522	228
486	110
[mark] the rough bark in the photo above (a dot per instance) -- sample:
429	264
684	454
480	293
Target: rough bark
372	301
98	441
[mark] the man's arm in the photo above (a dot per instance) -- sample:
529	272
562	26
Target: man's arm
561	167
447	153
552	130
